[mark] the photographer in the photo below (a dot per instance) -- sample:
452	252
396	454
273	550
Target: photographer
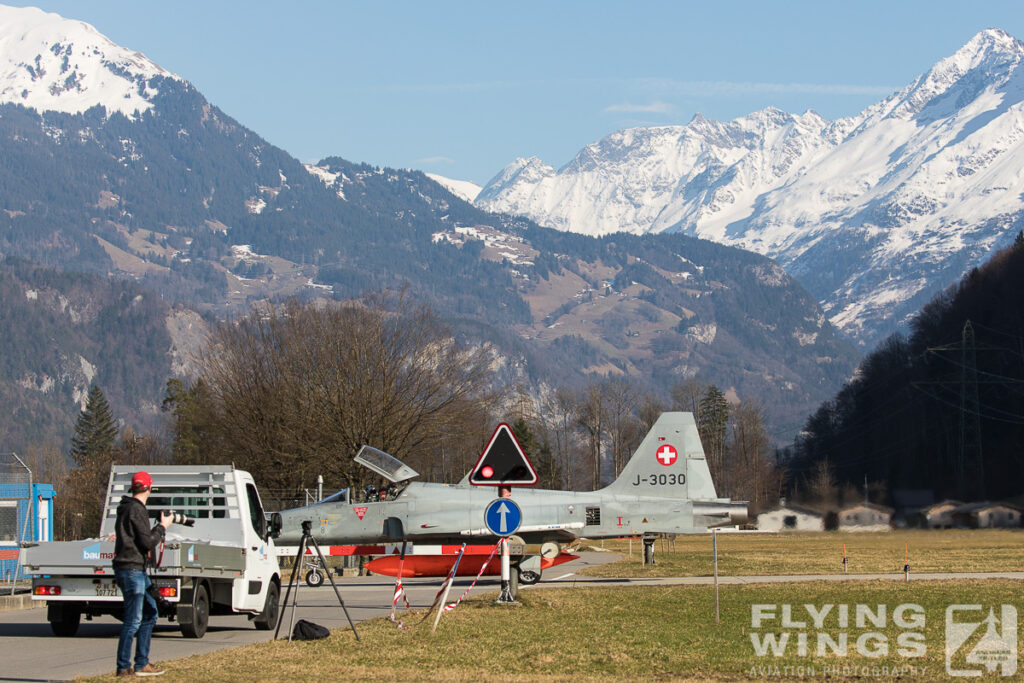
135	541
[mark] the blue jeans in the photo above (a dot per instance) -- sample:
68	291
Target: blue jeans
139	617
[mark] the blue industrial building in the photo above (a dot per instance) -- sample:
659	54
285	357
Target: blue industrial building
26	514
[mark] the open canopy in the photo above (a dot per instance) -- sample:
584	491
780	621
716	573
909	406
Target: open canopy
387	466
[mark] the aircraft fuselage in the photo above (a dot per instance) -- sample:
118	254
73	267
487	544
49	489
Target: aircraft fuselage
435	512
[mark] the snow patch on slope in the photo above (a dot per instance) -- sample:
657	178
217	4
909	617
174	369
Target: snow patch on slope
328	177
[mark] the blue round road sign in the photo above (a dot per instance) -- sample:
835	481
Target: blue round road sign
503	516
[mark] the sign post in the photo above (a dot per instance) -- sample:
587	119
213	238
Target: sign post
714	547
503	463
503	517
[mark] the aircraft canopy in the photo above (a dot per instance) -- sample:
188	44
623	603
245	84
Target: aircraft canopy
387	466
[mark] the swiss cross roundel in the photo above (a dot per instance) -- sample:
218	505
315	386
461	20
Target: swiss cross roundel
666	454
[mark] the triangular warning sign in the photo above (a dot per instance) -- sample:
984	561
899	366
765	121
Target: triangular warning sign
503	462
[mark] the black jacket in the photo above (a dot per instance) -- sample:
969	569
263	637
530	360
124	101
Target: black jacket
135	538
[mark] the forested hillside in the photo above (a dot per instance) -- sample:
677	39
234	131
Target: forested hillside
940	409
63	332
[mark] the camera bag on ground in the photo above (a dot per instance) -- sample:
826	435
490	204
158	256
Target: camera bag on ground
307	630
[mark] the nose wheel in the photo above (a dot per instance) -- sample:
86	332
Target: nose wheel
314	578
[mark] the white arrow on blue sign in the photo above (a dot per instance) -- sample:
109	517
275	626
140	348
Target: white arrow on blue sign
503	516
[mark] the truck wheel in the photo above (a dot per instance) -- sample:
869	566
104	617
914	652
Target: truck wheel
314	578
196	627
267	619
64	619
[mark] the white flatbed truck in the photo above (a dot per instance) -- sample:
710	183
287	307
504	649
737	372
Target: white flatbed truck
224	564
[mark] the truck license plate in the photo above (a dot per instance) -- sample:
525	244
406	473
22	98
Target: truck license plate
107	589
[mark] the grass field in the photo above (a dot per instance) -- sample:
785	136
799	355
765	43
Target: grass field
822	553
633	633
669	632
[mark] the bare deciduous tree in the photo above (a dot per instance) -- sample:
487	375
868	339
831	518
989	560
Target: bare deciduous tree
620	399
591	417
649	410
822	487
750	474
686	396
560	410
296	389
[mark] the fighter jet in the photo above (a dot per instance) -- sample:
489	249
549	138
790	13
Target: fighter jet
665	488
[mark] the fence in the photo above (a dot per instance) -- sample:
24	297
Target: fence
16	513
275	500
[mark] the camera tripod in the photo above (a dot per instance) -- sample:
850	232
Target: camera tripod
300	559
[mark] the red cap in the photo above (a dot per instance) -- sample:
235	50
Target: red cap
141	481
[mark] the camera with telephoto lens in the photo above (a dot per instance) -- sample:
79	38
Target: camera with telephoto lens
181	518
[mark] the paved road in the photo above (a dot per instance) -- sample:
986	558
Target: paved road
31	652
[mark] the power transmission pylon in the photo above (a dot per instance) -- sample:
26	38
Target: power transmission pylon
970	464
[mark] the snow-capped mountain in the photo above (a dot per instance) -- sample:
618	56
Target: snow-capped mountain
873	213
53	64
463	189
180	199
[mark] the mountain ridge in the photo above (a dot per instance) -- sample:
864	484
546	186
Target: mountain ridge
915	189
190	205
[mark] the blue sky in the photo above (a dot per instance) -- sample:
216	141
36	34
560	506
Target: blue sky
462	88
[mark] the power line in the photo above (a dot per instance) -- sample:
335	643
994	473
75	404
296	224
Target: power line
1018	421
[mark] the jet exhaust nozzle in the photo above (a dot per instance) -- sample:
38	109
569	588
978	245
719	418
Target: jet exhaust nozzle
732	513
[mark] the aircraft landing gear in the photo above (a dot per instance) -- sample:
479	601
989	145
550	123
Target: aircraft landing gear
527	577
649	550
314	579
529	566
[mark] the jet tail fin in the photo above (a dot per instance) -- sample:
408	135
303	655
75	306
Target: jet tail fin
669	463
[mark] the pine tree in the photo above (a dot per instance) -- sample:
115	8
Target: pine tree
711	424
189	408
95	429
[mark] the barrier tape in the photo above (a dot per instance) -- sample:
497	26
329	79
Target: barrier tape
448	579
399	591
450	607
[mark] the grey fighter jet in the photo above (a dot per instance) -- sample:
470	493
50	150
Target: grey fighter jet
665	488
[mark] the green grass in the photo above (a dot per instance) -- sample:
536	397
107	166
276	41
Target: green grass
822	553
631	633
